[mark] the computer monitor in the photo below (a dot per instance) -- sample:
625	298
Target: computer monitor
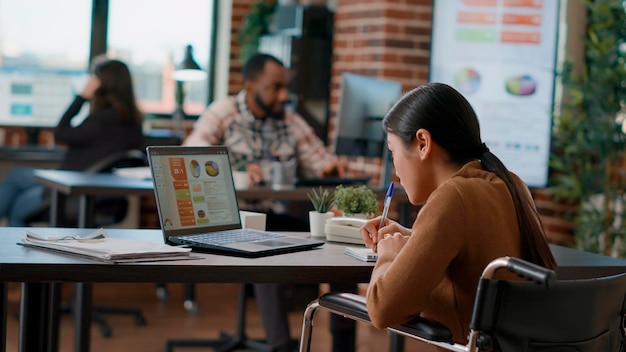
363	103
37	97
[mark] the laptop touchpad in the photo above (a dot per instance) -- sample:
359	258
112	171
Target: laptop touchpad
273	243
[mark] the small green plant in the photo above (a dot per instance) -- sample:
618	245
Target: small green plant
356	200
322	199
241	165
256	24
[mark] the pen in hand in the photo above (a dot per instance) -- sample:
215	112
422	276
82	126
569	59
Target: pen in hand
385	212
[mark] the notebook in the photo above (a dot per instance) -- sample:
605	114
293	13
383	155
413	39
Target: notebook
361	253
197	204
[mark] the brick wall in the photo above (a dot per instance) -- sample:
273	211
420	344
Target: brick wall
382	39
240	10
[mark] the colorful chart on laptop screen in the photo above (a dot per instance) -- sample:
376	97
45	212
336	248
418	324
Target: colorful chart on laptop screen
211	168
195	168
521	85
467	80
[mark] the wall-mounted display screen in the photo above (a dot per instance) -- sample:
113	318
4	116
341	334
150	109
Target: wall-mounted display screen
37	97
501	54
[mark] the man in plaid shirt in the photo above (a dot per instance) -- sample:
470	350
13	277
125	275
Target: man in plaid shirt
257	129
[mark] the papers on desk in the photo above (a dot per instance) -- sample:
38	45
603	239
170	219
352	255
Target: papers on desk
139	172
361	253
99	246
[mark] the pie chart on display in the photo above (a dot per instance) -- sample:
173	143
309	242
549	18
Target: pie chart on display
521	85
195	168
211	168
467	80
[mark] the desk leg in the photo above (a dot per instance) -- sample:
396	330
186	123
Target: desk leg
33	327
82	317
82	211
54	208
4	303
82	309
86	217
55	316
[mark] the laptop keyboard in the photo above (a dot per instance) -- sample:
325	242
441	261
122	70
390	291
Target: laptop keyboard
233	236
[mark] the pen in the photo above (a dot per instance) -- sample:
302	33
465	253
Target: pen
385	209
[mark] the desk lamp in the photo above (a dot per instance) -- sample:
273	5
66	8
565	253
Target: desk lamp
187	71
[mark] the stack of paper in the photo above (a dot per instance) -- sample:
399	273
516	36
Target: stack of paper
139	172
98	245
361	253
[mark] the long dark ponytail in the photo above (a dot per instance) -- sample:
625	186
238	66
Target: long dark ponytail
453	125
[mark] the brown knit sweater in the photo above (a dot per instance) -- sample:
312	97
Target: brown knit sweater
466	222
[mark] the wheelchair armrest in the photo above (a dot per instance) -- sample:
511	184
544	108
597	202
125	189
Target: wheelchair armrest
354	305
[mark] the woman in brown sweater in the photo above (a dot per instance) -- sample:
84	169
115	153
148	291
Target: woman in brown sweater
473	210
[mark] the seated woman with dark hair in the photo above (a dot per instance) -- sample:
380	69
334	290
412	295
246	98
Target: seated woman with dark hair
114	125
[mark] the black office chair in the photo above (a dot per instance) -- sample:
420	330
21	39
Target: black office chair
109	211
542	314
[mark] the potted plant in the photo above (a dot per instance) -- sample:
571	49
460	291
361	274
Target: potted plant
588	161
356	201
322	201
241	176
256	24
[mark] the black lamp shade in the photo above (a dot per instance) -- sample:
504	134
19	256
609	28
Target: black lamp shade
188	69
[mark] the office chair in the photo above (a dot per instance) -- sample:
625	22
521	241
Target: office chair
541	314
110	211
227	342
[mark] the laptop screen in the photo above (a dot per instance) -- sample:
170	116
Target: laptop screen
194	189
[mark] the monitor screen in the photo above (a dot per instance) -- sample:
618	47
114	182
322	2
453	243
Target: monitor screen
501	55
363	103
37	97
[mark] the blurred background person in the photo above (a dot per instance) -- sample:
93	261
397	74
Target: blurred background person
113	125
257	128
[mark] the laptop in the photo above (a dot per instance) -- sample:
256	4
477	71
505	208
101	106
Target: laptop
197	204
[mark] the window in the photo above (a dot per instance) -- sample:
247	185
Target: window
151	36
45	48
44	53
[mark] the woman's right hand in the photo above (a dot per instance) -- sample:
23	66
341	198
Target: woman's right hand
90	88
372	233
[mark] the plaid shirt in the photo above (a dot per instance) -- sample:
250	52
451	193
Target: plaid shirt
250	140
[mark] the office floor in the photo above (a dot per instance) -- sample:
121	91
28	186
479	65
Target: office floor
167	320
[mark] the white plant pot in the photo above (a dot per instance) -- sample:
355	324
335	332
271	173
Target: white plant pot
317	222
241	179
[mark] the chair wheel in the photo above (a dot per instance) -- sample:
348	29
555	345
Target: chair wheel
140	321
191	307
161	293
106	331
